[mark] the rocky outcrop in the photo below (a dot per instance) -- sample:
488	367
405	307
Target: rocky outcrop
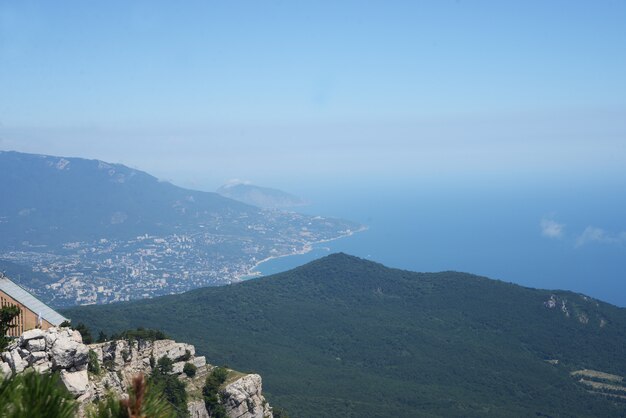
197	410
76	382
62	350
243	398
55	349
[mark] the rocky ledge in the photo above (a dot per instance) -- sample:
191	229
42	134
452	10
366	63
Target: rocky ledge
62	350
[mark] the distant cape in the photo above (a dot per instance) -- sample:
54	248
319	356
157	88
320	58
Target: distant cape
263	197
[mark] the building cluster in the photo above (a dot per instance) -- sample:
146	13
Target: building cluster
109	270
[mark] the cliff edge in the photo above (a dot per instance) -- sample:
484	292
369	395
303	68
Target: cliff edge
62	350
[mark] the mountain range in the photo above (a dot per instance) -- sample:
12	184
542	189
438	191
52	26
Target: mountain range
347	337
83	231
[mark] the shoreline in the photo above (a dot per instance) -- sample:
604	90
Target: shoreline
307	248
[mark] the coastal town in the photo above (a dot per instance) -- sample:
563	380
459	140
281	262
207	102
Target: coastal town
112	270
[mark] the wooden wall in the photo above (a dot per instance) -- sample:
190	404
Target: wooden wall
26	320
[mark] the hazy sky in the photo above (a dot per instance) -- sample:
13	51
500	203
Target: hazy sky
286	91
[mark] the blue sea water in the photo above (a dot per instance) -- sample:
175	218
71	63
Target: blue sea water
490	231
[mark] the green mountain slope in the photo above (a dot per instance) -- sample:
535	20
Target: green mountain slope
344	337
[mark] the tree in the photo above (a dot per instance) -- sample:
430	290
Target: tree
7	314
102	337
28	395
93	365
210	392
172	388
84	332
164	366
190	369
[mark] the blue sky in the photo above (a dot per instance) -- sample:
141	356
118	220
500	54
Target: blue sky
279	92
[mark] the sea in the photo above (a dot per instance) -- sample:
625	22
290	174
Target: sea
558	236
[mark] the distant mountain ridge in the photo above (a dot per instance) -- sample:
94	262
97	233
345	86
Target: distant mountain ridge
57	199
343	336
263	197
77	231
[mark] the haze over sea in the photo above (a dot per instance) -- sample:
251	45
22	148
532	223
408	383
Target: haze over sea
480	136
551	236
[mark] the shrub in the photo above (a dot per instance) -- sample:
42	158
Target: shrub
164	366
142	334
93	366
35	395
189	369
7	314
210	392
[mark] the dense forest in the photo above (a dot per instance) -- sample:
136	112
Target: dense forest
342	336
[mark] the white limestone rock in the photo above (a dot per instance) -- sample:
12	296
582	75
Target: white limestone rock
31	335
37	357
76	336
197	409
5	370
67	353
42	367
62	350
169	348
177	368
76	383
16	362
199	361
243	398
51	336
35	345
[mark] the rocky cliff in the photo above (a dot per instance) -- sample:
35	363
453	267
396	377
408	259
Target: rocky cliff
63	350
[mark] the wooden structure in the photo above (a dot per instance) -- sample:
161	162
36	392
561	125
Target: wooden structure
33	312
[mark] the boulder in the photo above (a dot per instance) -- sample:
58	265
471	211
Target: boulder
199	361
37	357
42	367
76	383
16	362
76	336
31	335
35	345
5	370
67	353
51	336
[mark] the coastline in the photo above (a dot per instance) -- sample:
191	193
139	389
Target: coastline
307	248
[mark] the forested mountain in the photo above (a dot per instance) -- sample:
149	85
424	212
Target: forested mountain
342	336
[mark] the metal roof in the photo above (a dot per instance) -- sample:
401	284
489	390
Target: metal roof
31	302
